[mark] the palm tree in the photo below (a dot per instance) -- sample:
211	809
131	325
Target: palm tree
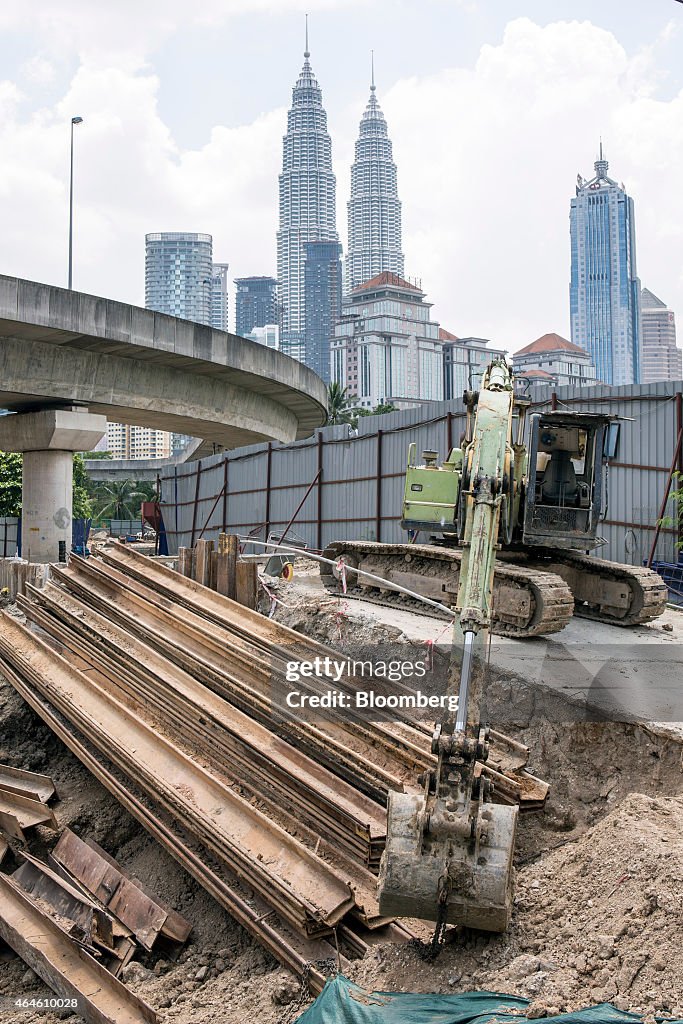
340	404
119	500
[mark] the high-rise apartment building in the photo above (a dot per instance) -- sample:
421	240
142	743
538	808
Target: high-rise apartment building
464	362
218	316
661	357
182	280
323	296
255	303
374	209
385	347
178	274
552	356
128	442
307	203
604	294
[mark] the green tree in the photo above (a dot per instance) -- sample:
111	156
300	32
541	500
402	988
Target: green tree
10	486
340	404
82	502
378	410
118	500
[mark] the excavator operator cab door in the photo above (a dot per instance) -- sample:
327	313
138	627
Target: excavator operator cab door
564	492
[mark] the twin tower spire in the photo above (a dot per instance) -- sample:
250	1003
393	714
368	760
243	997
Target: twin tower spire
307	190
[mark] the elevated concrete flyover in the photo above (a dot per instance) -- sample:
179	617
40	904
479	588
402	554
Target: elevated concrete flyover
133	365
64	350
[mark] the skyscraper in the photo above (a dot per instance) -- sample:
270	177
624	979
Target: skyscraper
374	209
604	294
385	347
661	357
322	296
255	303
307	202
219	296
182	280
178	273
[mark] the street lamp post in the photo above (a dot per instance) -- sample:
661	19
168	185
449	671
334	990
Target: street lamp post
74	120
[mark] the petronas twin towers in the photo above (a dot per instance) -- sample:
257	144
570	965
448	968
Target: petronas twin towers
308	215
374	209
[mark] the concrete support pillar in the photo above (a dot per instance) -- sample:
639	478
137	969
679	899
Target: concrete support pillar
48	440
46	501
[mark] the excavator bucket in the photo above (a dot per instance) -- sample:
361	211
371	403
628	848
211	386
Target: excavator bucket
416	863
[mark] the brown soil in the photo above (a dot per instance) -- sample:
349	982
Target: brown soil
598	909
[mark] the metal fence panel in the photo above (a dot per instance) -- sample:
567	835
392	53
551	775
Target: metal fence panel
267	482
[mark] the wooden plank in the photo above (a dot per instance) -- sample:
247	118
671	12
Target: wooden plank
246	584
222	572
67	969
15	780
231	548
185	562
202	556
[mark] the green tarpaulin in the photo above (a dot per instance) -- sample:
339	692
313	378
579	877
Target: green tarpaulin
342	1002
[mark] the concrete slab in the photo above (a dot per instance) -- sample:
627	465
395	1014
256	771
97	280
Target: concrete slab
617	674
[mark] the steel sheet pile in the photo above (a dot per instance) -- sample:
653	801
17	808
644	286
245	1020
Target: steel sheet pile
162	688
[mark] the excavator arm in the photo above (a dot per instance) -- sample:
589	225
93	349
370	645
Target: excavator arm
449	850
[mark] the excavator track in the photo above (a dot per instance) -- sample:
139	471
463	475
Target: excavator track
620	595
526	601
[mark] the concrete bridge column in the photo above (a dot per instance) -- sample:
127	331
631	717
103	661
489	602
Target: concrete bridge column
47	439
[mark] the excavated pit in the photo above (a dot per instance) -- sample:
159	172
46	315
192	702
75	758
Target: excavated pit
598	910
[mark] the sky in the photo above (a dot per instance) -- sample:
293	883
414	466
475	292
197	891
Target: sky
493	108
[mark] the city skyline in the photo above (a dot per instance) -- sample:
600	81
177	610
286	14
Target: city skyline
509	85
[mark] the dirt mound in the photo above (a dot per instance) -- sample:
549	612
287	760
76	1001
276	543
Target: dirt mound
600	919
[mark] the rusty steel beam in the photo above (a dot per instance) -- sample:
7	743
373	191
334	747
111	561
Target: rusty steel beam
191	730
63	965
405	747
19	812
309	893
246	748
103	878
16	780
260	643
293	951
202	650
99	932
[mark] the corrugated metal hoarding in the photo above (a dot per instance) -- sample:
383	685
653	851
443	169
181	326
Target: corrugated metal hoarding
352	481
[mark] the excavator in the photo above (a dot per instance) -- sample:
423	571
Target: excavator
553	495
449	850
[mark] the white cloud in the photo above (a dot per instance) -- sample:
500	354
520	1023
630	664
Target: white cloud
38	70
131	29
487	160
